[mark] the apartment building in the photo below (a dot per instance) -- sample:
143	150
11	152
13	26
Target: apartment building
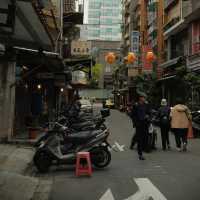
104	20
181	34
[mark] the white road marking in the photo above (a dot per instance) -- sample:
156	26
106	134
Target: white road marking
108	195
120	147
117	147
138	196
146	191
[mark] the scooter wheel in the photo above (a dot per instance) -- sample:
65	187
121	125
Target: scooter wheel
100	157
42	161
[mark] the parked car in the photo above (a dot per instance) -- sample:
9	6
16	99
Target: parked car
86	105
109	103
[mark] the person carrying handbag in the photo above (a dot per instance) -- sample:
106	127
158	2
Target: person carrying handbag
180	121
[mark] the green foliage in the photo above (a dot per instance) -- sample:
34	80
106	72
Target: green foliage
96	73
93	83
181	71
192	79
146	83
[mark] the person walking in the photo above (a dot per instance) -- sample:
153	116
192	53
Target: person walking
180	120
164	119
134	138
140	115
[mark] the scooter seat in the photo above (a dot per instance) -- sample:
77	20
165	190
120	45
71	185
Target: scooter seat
82	137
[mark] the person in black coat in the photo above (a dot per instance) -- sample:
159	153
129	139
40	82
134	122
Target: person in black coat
164	118
140	115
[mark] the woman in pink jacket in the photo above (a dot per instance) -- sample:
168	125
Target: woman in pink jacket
180	120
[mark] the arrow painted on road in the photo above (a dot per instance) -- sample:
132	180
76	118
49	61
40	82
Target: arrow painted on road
108	195
147	191
117	146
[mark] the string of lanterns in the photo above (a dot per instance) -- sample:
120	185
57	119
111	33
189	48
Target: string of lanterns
110	57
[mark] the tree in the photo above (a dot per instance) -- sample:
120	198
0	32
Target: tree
96	73
147	83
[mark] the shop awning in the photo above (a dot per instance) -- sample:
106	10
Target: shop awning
167	78
29	30
170	62
79	63
33	58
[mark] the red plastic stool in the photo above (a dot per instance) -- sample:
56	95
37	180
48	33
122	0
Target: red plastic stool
81	169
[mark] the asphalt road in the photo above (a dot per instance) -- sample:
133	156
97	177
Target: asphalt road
175	174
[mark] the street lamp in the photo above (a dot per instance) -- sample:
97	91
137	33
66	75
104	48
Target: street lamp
39	86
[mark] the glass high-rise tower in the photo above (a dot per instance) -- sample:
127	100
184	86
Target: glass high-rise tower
104	18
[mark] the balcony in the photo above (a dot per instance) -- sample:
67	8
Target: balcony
193	62
171	23
71	16
169	3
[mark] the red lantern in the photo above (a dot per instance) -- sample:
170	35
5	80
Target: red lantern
131	58
150	56
110	58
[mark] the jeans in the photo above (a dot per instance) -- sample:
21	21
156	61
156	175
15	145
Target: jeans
180	136
165	136
141	132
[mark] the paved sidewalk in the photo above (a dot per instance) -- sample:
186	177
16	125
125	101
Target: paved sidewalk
15	159
15	184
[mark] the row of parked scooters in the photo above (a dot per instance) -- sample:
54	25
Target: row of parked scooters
196	123
74	131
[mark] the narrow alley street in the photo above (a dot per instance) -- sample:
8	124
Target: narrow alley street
174	174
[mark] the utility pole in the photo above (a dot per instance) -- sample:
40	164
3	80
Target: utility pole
61	28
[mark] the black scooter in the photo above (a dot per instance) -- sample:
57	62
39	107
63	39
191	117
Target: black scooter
196	123
62	147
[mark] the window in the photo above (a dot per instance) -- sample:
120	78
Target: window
196	37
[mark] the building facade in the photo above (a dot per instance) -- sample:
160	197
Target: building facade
142	32
182	41
104	19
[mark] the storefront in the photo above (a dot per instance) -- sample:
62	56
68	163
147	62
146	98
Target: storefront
39	86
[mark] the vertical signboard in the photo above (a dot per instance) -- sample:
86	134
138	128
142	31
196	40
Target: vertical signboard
135	45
